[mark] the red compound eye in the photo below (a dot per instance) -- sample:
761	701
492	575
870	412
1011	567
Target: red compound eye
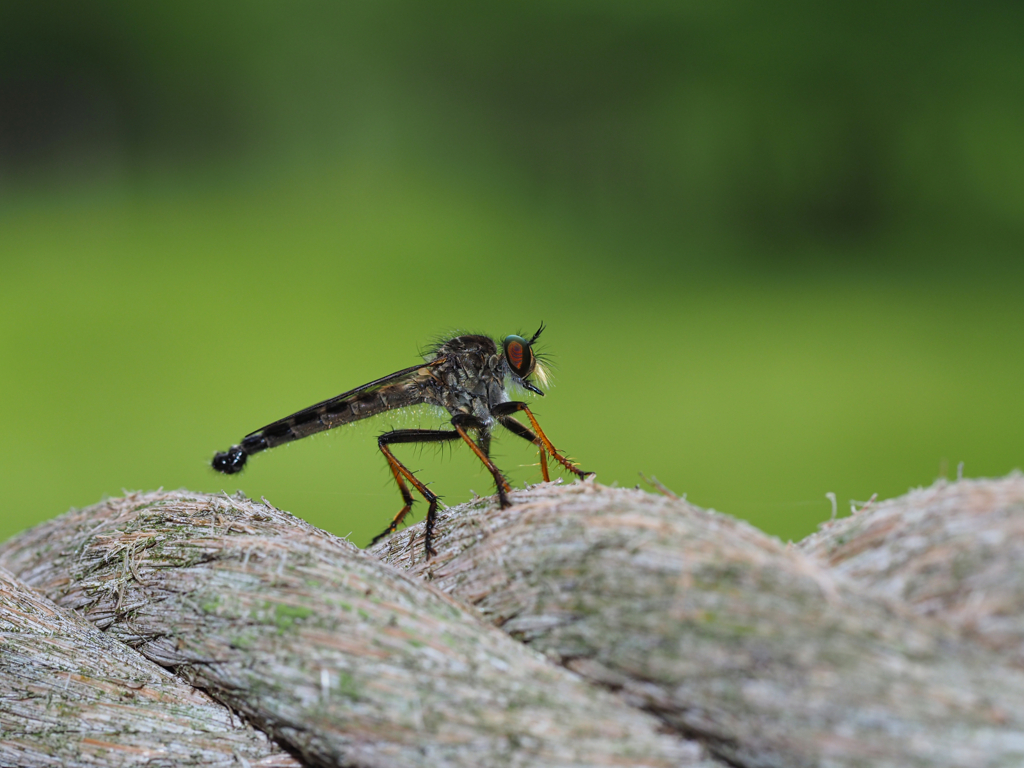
515	354
519	356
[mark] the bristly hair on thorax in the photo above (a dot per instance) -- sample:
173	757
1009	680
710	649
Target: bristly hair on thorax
544	363
430	350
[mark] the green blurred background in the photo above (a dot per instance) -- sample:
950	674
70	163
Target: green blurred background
777	246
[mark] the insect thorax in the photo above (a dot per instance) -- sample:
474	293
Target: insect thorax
472	376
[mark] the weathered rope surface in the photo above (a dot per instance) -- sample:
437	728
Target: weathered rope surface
667	635
72	695
342	659
763	653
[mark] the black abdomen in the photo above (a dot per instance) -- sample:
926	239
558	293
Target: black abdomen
232	460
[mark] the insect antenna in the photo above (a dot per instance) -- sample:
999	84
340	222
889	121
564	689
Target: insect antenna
538	333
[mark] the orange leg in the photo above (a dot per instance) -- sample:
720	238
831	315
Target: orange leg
544	464
504	413
396	471
516	428
401	474
499	479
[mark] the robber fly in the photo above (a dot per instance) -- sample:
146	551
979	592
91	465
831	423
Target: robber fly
464	375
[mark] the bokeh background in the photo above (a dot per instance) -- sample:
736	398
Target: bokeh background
777	246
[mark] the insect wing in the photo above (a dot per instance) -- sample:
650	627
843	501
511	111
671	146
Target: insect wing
338	403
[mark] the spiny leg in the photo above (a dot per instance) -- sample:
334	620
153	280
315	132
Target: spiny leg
401	473
462	422
516	428
483	441
406	497
504	411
